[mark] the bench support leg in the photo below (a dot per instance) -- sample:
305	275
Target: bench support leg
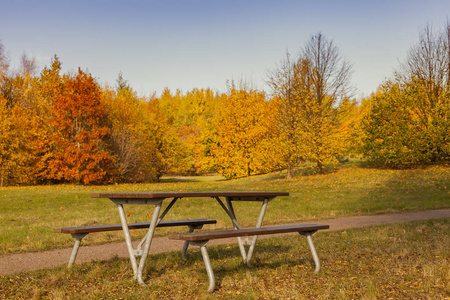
78	237
313	249
207	261
186	243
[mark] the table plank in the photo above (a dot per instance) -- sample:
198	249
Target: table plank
160	195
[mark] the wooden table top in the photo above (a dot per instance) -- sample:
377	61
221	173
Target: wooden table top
159	195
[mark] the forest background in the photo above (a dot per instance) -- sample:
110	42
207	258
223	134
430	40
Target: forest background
67	128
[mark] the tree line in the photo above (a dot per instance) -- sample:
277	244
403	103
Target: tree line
67	128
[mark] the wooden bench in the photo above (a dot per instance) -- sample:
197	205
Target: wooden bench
81	232
201	238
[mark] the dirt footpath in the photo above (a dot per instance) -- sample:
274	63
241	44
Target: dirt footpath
16	263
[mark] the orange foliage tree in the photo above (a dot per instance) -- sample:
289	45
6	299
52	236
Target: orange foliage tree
79	122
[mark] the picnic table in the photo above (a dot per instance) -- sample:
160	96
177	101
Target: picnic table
224	198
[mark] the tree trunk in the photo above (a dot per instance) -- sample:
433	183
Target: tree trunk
289	172
320	167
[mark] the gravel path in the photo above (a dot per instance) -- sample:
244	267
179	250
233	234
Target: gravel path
15	263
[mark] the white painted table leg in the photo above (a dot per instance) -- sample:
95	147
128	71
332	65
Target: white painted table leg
232	215
126	233
262	212
148	242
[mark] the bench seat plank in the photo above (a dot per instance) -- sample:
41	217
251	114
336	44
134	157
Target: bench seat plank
210	235
114	227
200	239
81	232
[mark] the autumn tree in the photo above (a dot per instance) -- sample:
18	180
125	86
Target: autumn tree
4	63
47	87
135	138
409	120
313	92
190	115
125	138
244	132
28	64
16	147
168	153
328	100
197	109
14	126
17	125
286	83
79	121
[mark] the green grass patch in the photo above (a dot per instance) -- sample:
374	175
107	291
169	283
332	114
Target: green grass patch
28	214
408	260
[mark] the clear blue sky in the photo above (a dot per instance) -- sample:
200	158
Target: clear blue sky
186	44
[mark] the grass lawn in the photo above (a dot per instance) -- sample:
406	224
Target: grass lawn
28	214
402	261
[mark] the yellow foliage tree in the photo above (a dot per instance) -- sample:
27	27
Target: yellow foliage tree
167	153
16	149
244	134
409	121
190	115
19	126
144	144
313	104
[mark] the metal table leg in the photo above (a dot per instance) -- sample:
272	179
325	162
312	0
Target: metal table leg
148	239
139	248
262	212
126	233
236	226
148	242
246	255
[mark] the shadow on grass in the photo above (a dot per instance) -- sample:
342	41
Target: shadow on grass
308	170
264	258
186	179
